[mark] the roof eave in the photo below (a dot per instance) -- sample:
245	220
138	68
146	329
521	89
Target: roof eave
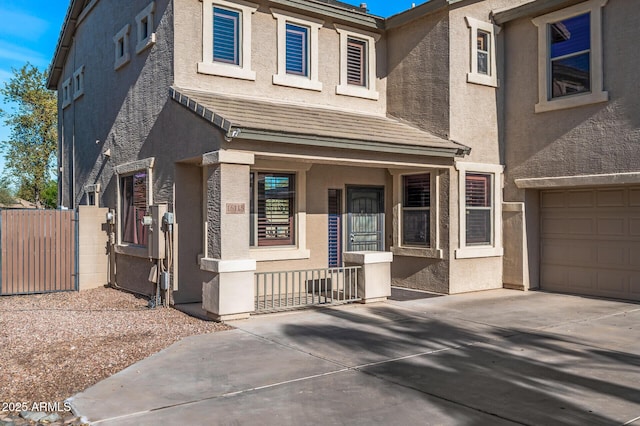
239	132
533	8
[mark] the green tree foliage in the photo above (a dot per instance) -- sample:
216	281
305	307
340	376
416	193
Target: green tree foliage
32	143
6	194
50	195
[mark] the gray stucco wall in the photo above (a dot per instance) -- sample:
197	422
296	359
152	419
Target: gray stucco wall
418	73
595	139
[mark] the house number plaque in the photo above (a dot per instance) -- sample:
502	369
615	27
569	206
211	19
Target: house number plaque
235	208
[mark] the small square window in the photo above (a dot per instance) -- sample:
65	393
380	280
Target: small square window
483	57
121	41
78	83
66	93
144	21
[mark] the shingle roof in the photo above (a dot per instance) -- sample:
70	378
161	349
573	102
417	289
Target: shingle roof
249	116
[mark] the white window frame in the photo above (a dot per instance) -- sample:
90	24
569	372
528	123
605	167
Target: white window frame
597	93
78	83
299	249
66	92
310	82
369	90
474	76
124	170
122	37
242	71
495	248
433	251
146	14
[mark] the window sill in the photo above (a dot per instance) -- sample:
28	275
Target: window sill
121	62
417	252
572	101
298	82
278	253
484	80
146	43
473	252
131	250
226	70
358	92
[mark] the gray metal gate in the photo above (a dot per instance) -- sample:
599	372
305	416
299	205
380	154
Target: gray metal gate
38	251
365	218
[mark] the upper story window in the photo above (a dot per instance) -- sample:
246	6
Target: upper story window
357	63
226	36
78	83
66	93
570	57
297	51
483	53
226	44
121	41
144	21
480	215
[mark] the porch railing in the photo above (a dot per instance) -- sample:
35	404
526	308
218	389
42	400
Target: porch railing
277	291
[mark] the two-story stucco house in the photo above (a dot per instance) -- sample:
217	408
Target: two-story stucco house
289	136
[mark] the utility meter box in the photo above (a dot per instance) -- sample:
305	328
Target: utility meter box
156	240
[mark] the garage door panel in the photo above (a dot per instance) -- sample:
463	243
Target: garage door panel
563	253
611	198
590	241
581	199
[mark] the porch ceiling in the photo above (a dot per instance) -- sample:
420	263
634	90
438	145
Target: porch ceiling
287	123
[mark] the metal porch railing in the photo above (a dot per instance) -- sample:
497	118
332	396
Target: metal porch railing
278	291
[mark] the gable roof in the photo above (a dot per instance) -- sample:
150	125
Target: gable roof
298	124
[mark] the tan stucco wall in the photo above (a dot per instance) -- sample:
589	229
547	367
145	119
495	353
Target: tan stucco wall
418	81
188	42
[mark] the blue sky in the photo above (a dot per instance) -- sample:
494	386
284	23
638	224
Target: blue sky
29	32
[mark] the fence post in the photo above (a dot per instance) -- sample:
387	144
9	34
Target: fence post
374	282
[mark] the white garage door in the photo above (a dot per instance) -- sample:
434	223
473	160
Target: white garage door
590	241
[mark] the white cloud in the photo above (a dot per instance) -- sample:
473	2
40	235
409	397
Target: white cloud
22	25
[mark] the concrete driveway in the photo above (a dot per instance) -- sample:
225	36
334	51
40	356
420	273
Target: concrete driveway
495	357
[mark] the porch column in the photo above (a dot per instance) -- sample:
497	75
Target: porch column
230	293
374	282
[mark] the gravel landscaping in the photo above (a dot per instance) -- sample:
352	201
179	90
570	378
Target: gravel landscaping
58	344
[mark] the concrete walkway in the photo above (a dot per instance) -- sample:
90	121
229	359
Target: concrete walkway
495	357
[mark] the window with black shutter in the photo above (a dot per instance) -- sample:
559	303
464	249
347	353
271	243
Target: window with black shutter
273	209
